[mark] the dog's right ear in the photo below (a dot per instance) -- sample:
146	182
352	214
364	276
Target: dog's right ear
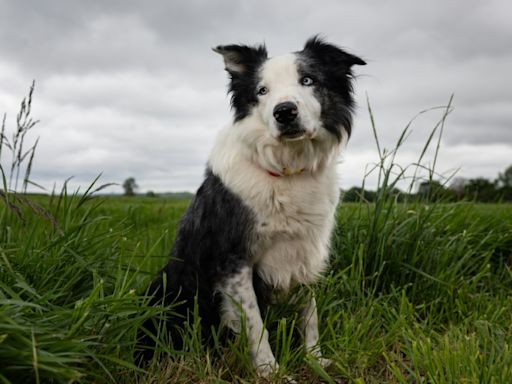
240	59
330	55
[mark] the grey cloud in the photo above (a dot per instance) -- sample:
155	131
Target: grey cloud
136	93
133	89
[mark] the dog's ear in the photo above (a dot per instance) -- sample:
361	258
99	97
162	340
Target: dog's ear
240	59
329	54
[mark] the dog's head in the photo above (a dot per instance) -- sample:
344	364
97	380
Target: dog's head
305	95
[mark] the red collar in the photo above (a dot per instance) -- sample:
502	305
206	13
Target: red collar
273	174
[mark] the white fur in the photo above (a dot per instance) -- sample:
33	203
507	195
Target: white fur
238	295
295	213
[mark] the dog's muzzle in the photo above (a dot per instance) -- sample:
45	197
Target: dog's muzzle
286	114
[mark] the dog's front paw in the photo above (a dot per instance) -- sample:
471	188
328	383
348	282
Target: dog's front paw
266	369
289	380
269	371
324	362
316	354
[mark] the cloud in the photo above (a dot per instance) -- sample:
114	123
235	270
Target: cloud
134	90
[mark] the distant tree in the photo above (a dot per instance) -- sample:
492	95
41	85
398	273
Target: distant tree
352	195
151	194
481	189
433	190
130	186
478	189
504	184
505	193
355	194
505	178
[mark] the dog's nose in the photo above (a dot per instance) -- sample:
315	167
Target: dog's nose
286	112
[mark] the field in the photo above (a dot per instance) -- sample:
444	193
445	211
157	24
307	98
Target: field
416	292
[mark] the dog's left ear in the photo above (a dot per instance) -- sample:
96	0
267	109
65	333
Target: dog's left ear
240	59
329	54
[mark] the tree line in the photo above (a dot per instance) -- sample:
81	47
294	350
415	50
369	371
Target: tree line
478	189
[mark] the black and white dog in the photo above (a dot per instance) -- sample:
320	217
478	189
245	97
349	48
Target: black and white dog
262	219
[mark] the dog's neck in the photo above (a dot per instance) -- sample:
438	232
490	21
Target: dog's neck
237	147
291	159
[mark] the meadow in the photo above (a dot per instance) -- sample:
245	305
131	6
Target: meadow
416	292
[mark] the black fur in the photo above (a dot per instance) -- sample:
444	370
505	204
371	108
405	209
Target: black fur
330	68
245	79
212	242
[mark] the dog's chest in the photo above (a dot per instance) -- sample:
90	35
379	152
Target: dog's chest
283	212
292	231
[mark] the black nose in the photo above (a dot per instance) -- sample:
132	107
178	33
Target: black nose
286	112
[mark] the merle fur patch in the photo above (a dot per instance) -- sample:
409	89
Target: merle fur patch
330	68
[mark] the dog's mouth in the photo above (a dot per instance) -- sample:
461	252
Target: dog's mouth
293	135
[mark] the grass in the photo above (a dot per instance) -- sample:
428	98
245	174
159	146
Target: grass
427	300
416	292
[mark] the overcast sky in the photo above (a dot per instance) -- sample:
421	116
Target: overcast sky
132	88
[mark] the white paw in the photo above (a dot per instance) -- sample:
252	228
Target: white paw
316	354
324	362
289	380
266	369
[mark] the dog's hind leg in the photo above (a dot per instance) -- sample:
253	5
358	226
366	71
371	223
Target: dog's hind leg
309	328
240	307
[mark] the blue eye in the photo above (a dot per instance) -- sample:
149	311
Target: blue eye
262	91
307	81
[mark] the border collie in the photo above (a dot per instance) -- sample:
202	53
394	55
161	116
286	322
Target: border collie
261	221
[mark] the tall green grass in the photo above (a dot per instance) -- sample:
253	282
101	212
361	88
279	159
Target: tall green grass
417	291
68	305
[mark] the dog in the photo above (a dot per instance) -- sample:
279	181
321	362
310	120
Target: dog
262	219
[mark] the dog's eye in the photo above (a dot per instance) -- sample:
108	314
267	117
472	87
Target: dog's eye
262	91
307	81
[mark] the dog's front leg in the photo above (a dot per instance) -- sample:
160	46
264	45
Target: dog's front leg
309	328
239	301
